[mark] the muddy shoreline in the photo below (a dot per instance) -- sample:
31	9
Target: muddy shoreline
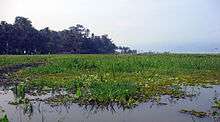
6	70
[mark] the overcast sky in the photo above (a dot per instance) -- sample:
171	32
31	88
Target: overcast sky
157	25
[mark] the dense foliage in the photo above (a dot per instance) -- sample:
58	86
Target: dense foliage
22	38
122	79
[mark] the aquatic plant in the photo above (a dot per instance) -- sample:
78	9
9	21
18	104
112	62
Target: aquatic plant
200	114
20	90
123	79
216	104
4	119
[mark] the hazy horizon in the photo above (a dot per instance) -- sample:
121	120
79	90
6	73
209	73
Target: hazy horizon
156	25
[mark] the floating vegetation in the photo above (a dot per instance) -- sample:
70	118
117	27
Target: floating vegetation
216	104
214	112
19	101
216	108
105	80
206	86
200	114
121	79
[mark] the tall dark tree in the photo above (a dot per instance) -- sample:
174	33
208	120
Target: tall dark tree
23	38
7	38
25	35
52	41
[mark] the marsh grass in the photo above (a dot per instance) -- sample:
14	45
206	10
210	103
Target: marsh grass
123	79
4	119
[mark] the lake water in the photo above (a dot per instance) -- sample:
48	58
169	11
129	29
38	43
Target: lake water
145	112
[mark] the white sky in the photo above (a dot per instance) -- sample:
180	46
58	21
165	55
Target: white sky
158	25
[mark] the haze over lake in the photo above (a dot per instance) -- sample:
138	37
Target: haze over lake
157	25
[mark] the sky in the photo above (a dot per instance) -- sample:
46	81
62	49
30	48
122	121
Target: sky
145	25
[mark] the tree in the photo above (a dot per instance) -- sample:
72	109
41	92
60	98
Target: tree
6	38
22	38
126	50
25	35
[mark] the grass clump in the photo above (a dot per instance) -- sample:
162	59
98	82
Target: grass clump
4	119
105	93
216	104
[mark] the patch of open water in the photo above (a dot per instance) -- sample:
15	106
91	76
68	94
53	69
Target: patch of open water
145	112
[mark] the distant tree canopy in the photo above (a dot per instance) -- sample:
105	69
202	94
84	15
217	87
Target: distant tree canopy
126	50
22	38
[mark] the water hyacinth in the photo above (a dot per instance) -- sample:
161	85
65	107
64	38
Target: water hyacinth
120	79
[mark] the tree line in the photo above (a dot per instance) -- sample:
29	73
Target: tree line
22	38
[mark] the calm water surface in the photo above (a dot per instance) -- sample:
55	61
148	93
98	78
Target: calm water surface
145	112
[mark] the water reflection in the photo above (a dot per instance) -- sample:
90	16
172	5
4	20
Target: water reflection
38	110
